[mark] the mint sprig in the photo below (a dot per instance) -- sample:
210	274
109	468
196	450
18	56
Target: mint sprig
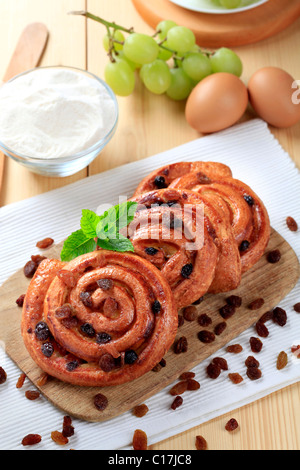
102	230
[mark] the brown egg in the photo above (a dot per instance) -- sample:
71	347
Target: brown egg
217	102
275	97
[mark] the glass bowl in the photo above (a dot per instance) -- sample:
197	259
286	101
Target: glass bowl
71	164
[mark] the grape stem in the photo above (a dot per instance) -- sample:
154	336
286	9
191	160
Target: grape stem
102	21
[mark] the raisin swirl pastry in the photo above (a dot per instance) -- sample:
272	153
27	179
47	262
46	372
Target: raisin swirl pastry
249	217
164	176
104	318
167	229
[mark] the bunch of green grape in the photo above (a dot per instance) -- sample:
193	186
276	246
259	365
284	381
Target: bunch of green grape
168	62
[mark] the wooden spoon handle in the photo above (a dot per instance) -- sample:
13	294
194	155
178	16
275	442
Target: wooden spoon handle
27	55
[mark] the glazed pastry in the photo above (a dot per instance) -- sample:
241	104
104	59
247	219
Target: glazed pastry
163	177
189	238
249	217
104	318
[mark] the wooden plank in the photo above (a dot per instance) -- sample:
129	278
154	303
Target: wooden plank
263	280
66	46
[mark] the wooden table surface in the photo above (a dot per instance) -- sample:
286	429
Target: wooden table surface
148	125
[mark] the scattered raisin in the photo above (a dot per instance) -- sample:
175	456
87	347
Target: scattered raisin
140	410
32	394
72	365
206	336
297	307
103	338
200	443
256	304
221	362
20	300
59	438
235	378
244	246
213	370
254	373
177	402
151	251
42	331
86	299
279	316
156	307
190	313
67	277
130	356
234	348
231	425
42	380
47	349
37	259
45	243
282	360
31	439
274	256
261	329
204	320
107	362
220	327
249	199
199	301
187	375
68	429
292	224
140	440
266	317
255	344
88	330
181	345
21	380
187	270
3	376
64	311
100	401
192	384
227	311
30	269
179	388
251	362
160	182
105	284
234	300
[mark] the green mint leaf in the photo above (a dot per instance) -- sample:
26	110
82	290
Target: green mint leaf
77	244
115	219
118	244
89	222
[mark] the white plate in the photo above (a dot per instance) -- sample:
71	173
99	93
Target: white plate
211	6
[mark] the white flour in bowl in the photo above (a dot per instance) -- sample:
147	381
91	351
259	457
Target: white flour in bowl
54	112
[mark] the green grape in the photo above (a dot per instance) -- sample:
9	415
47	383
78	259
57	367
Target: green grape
156	76
140	48
181	39
164	27
122	56
118	36
225	60
196	65
181	85
230	3
120	77
164	54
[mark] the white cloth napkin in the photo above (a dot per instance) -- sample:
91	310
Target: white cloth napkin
256	158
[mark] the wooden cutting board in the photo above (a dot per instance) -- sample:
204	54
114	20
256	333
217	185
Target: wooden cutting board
269	281
230	30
